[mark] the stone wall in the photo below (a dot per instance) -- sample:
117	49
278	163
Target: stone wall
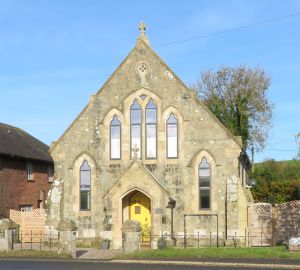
287	221
274	224
53	207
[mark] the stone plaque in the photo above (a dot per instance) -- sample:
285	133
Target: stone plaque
232	189
158	211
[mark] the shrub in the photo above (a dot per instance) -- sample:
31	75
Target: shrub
161	243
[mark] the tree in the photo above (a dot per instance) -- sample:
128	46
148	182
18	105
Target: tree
238	98
277	181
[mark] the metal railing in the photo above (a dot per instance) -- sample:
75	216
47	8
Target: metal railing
211	239
35	241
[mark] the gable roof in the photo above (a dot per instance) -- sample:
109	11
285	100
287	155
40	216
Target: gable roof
16	142
141	41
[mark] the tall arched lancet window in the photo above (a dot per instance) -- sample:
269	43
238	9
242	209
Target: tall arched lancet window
115	138
151	122
172	137
204	184
85	186
136	127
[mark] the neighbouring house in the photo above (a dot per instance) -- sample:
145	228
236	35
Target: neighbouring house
144	145
26	171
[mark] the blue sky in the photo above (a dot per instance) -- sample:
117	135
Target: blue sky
55	54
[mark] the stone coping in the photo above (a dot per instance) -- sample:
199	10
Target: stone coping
67	225
7	223
131	226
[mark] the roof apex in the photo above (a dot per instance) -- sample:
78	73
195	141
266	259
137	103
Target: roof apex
143	36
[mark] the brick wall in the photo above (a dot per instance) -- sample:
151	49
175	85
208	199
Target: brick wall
16	189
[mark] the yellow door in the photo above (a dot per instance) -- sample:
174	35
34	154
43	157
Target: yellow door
140	210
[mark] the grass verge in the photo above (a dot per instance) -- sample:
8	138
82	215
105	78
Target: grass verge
33	253
221	252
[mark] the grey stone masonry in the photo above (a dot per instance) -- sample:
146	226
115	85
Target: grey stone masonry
7	227
144	78
67	237
131	236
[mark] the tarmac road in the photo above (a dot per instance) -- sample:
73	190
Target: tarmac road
13	264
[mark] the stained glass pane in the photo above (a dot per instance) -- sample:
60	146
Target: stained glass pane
136	122
204	181
136	113
204	164
85	180
136	138
172	119
205	199
151	116
205	172
115	142
151	119
135	105
136	116
115	138
204	184
151	141
85	198
115	121
151	104
143	97
85	185
172	142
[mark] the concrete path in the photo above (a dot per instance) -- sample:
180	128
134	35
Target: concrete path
97	254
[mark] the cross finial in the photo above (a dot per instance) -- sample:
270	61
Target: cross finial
142	27
135	152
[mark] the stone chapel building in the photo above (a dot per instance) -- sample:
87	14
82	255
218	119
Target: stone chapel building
144	140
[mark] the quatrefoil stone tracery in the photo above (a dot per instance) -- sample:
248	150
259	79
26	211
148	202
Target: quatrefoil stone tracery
143	67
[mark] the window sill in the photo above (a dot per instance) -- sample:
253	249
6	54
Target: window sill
150	161
115	161
206	211
83	213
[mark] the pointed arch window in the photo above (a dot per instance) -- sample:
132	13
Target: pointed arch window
85	186
151	128
115	138
204	184
135	127
172	136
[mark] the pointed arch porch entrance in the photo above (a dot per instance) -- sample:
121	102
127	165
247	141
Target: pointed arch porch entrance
136	205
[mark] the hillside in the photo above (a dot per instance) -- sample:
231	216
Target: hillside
277	181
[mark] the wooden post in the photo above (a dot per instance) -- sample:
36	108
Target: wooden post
273	225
